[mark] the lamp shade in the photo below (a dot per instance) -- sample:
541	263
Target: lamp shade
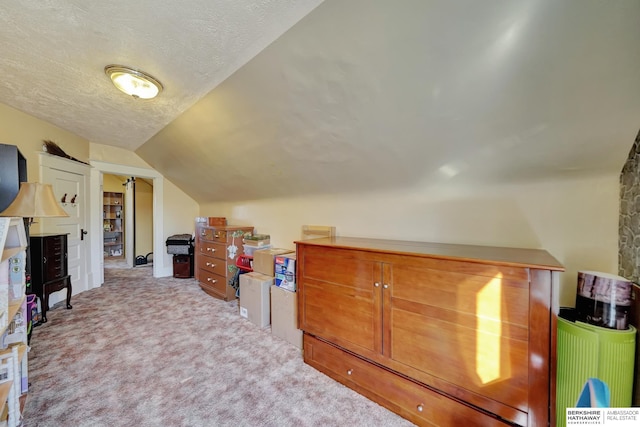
35	200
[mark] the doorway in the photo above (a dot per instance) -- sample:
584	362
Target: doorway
160	265
127	220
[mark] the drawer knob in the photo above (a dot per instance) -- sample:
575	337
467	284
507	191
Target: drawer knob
350	371
209	279
377	285
210	264
420	408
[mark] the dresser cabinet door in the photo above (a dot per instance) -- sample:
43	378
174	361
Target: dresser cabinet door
464	323
341	297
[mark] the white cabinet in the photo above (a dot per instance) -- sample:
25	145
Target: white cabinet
13	320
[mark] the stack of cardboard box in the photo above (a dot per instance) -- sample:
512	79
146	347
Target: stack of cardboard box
268	294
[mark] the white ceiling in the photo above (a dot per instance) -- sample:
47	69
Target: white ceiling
285	98
54	53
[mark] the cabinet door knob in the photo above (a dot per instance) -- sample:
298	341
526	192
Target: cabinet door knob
350	371
420	407
377	285
385	286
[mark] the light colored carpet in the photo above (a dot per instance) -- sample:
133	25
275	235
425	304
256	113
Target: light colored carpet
149	352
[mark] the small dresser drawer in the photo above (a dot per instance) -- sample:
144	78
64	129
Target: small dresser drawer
54	286
215	250
411	400
212	265
206	233
219	235
213	234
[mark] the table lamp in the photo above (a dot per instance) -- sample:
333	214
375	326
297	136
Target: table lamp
34	200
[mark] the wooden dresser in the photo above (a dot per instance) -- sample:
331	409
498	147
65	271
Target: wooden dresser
216	251
49	271
440	334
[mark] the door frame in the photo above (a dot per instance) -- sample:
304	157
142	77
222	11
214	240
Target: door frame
95	215
129	222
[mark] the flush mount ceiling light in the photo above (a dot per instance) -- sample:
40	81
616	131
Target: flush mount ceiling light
133	82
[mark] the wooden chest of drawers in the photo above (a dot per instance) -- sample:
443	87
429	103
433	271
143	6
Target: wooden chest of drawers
49	271
440	334
216	251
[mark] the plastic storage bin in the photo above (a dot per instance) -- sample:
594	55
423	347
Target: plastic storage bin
588	351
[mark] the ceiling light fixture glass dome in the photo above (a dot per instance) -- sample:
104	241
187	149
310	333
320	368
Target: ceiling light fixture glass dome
136	83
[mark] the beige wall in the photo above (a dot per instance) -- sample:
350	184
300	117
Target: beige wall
27	133
113	183
576	221
116	155
179	209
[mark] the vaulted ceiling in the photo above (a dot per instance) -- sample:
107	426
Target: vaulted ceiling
286	98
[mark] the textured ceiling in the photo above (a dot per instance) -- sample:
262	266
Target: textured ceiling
365	95
54	53
283	98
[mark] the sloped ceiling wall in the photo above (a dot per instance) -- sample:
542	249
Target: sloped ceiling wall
373	94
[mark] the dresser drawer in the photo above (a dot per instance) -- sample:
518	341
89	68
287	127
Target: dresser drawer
55	245
205	233
215	250
54	286
411	400
212	265
213	281
213	234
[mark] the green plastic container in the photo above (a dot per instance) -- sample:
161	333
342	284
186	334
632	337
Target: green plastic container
587	351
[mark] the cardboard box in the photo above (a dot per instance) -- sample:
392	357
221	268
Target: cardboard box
284	316
216	221
257	240
285	271
255	302
264	259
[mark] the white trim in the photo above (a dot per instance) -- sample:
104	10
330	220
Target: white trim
160	267
51	161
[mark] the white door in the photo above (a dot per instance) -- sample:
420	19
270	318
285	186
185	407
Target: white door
70	181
